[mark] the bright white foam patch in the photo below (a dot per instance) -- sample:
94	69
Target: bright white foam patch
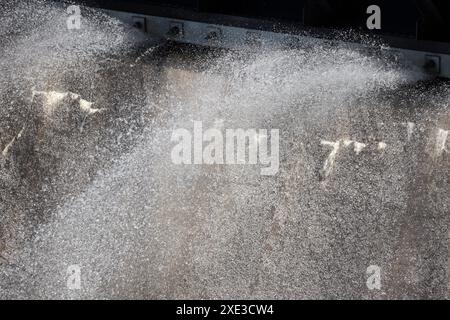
54	98
441	141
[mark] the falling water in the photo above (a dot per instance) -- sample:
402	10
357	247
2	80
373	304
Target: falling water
87	177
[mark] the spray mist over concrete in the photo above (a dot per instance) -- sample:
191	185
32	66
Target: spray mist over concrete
363	174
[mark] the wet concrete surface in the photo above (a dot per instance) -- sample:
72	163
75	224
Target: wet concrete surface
363	179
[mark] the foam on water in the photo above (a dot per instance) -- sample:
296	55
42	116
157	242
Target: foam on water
146	228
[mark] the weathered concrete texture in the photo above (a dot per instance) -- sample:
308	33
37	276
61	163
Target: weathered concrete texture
58	125
363	180
54	141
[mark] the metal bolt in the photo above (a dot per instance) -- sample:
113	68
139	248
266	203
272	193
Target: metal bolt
212	35
174	31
